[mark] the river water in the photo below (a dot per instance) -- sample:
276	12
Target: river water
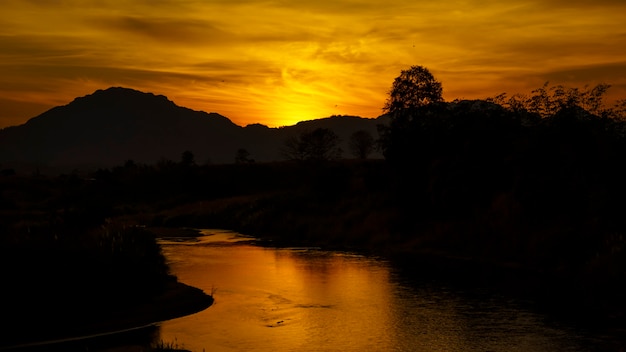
307	299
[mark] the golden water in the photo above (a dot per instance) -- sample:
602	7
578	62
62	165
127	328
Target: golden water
306	299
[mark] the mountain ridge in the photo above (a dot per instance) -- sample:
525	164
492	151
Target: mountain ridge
110	126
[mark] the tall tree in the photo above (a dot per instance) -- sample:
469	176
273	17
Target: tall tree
413	88
413	100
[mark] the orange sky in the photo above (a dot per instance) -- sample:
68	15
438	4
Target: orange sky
278	62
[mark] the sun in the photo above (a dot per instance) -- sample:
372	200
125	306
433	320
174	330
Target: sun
290	113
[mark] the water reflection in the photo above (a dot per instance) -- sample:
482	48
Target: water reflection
301	299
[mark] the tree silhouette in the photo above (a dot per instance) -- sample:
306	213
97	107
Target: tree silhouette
243	157
294	149
361	144
412	103
413	88
317	145
187	159
547	100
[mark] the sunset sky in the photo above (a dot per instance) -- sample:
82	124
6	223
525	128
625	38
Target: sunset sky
282	61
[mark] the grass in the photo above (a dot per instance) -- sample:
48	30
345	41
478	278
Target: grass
167	346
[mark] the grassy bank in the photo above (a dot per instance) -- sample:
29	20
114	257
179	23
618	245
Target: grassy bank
64	281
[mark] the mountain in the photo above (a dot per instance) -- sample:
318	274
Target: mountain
108	127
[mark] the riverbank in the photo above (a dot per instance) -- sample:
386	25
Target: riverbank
570	259
177	300
573	288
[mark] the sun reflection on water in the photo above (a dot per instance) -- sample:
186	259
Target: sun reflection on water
306	299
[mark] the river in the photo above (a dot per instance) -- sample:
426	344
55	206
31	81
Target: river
308	299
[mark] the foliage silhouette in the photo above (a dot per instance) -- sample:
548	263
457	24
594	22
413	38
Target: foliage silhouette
546	101
415	94
361	144
187	159
321	144
530	179
243	157
412	89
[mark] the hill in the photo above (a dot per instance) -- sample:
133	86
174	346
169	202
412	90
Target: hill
111	126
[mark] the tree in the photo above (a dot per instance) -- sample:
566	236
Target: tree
361	144
413	103
243	157
294	149
547	100
187	159
317	145
414	88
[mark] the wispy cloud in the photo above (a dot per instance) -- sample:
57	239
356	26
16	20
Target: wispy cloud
169	31
279	61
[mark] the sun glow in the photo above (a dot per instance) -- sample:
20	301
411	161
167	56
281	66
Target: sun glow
277	63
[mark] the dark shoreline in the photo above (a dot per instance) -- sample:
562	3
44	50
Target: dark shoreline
178	300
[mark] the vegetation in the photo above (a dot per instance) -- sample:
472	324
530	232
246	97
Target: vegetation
361	144
530	184
317	145
412	89
167	346
243	156
62	256
531	181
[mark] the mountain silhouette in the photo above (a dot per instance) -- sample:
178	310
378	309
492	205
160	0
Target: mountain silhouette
108	127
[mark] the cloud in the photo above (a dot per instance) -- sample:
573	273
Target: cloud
268	60
614	72
168	30
576	4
